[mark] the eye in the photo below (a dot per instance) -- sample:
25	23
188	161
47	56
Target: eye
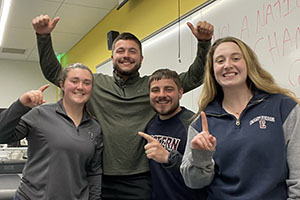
120	50
169	89
87	82
154	90
73	80
236	58
132	50
220	60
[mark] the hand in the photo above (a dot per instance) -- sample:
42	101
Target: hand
43	24
203	31
34	97
204	140
154	150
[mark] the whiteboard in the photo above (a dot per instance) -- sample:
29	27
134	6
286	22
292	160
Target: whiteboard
270	27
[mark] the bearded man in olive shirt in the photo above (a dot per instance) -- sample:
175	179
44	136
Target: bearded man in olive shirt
121	105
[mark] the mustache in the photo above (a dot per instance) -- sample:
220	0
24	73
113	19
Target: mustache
127	59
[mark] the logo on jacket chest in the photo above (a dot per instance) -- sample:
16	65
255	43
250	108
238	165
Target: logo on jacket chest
262	121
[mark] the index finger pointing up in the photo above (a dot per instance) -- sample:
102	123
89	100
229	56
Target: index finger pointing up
43	88
204	122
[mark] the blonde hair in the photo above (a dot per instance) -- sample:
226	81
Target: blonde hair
257	76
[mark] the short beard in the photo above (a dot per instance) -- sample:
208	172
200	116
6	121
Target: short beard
169	112
121	72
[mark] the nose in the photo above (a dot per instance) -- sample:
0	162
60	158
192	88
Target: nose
126	54
80	85
162	93
228	64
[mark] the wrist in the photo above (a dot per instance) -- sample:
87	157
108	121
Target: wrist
42	35
171	157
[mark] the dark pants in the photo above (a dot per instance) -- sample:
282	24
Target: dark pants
130	187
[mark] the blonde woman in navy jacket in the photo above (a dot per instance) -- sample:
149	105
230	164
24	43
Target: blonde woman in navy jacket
256	124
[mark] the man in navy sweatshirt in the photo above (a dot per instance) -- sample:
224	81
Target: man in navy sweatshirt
166	135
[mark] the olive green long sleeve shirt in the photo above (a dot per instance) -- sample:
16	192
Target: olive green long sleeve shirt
122	108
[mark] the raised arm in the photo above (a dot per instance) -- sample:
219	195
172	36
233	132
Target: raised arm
50	66
10	117
194	76
197	167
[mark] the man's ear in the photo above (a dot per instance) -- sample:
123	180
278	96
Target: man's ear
180	93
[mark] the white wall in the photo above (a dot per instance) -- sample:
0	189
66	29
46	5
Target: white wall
18	77
270	27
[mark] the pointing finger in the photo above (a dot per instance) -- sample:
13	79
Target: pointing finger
204	122
149	138
43	88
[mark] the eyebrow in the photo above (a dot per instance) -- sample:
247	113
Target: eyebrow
167	86
233	54
77	78
127	48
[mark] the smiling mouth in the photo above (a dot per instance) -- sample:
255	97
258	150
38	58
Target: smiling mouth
162	102
230	74
126	61
79	94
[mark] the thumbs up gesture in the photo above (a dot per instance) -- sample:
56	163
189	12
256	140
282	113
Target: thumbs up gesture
203	31
204	140
43	24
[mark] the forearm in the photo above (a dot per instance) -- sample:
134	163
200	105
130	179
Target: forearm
95	184
194	76
197	167
95	168
291	129
175	161
9	120
50	66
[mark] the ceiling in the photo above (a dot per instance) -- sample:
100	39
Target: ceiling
77	18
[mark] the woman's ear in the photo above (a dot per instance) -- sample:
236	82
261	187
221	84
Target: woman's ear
61	85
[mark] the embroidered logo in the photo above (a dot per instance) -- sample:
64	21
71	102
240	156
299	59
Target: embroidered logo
262	120
262	124
91	134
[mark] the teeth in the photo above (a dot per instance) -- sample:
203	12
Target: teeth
79	94
162	102
126	63
229	74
